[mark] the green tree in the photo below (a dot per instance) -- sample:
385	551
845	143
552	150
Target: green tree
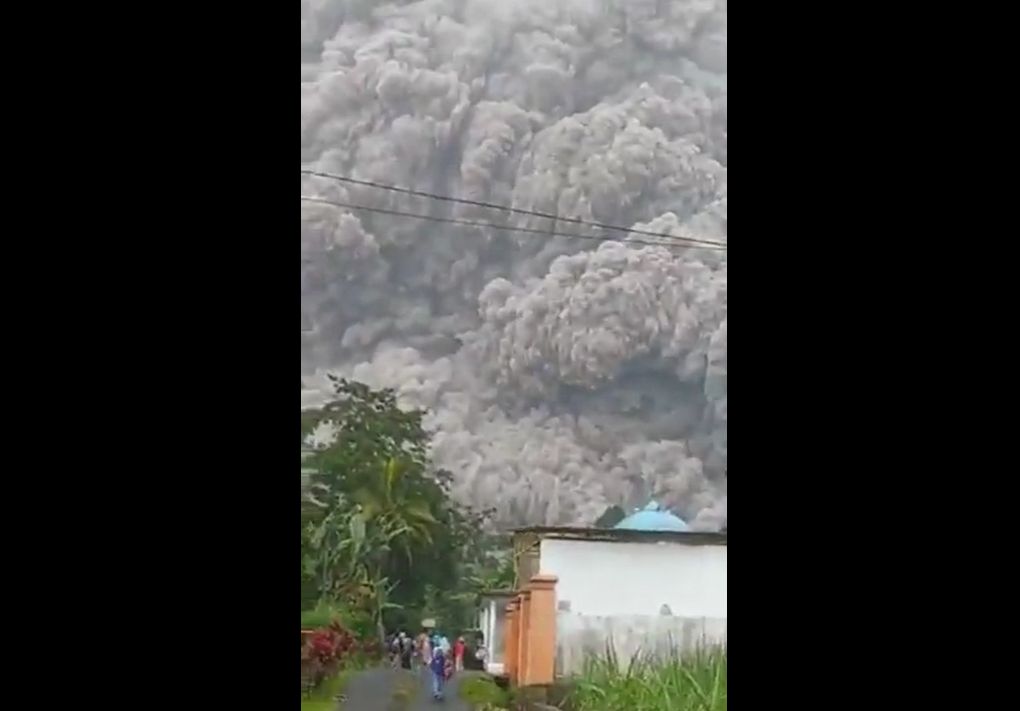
390	499
496	572
378	522
346	554
369	431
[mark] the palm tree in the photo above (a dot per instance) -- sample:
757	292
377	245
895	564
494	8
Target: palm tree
389	502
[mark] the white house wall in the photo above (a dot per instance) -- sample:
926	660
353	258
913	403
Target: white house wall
496	640
648	597
615	578
581	636
492	619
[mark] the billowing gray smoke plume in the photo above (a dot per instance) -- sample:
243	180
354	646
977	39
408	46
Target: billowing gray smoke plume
562	375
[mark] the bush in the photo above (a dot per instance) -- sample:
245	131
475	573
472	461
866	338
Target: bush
330	644
483	693
320	616
677	682
322	654
325	614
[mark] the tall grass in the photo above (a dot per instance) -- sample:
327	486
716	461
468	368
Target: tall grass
324	698
694	681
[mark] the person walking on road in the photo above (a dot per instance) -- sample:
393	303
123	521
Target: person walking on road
394	649
437	666
406	650
458	654
424	651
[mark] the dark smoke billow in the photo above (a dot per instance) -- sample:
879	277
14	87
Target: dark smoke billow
561	375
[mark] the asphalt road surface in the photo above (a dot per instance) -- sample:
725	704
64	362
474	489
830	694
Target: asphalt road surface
388	689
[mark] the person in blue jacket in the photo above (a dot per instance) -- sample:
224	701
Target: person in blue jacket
438	669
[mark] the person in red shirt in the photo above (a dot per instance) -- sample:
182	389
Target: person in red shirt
458	654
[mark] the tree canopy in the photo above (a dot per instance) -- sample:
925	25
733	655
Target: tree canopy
379	528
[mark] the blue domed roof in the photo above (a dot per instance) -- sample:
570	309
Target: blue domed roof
652	518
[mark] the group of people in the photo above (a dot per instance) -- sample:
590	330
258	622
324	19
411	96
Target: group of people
429	651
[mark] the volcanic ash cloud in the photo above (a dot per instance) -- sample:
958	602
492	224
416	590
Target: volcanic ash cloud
561	375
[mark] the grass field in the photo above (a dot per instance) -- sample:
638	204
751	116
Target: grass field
678	682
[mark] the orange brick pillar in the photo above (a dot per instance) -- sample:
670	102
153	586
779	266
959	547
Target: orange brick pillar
523	625
510	635
541	661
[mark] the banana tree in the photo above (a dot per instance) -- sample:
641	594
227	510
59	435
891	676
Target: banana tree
349	553
372	590
331	548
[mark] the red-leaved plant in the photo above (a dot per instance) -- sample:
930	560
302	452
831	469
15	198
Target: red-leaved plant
323	651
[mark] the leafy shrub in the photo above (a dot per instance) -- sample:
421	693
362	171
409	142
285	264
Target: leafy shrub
326	613
322	653
482	692
321	616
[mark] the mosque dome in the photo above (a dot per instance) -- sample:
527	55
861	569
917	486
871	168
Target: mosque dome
652	518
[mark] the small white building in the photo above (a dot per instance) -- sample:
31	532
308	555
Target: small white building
492	623
638	586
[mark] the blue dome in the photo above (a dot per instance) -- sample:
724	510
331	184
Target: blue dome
652	519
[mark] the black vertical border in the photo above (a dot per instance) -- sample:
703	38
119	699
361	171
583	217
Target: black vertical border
185	176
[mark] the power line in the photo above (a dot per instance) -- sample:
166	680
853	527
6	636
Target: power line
511	228
504	208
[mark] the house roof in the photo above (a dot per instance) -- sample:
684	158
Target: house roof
625	535
653	518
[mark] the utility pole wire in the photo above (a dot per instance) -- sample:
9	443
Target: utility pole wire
504	208
490	225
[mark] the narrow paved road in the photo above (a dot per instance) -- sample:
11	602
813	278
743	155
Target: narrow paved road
387	689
